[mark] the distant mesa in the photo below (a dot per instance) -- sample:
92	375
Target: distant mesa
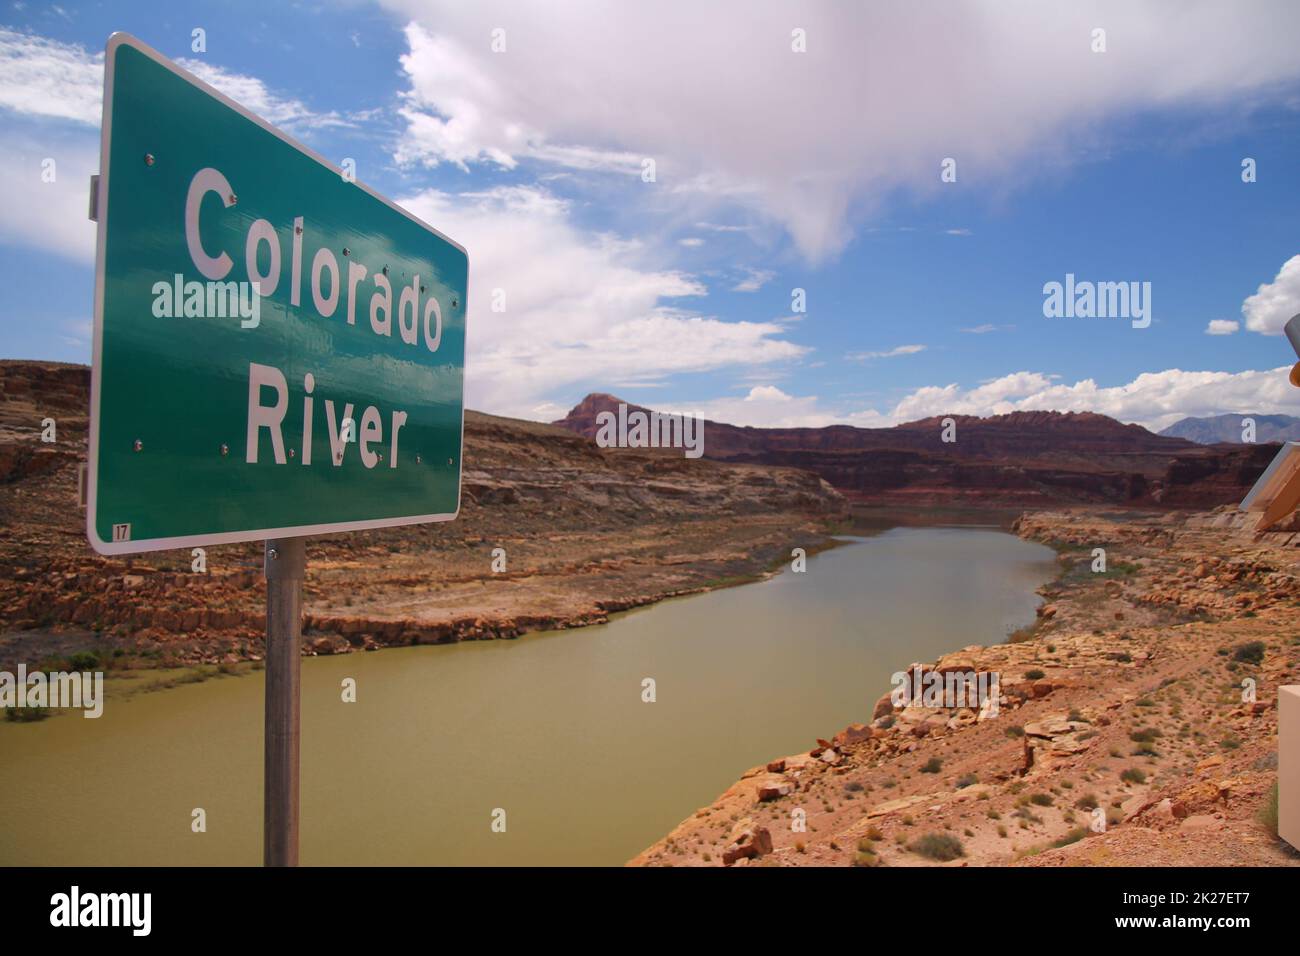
1082	437
1021	459
1219	429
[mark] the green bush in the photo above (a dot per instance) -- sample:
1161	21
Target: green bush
938	846
1251	652
83	661
1074	836
1268	812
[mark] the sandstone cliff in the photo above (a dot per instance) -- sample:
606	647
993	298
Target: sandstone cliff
1023	459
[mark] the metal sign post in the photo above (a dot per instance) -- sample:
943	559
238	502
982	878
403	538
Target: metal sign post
286	562
279	351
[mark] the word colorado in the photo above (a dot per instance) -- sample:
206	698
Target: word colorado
412	321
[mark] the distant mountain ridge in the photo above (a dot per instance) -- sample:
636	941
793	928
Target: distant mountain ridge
1083	438
1228	428
1018	459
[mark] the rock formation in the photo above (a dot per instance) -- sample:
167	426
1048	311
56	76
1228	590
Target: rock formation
1029	459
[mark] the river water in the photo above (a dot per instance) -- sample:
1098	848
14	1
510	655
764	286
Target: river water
550	728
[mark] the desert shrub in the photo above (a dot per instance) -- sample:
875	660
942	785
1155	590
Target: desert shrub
1268	812
1252	652
83	661
1074	836
938	846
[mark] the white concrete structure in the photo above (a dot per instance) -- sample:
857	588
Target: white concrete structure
1288	764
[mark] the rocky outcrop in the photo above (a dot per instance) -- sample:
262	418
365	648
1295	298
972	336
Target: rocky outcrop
1219	475
748	841
31	393
1075	437
1031	459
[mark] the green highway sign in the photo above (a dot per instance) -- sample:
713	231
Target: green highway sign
278	350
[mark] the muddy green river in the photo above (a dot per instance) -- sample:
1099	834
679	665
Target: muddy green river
550	728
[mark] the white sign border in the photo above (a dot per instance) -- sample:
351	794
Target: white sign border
101	216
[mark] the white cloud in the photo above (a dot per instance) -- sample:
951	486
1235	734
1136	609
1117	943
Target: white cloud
1222	327
985	329
53	91
754	280
45	78
1154	399
456	113
1274	302
580	311
255	96
809	141
52	216
892	353
691	242
42	77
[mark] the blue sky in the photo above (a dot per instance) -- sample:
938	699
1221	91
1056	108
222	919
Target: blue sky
774	170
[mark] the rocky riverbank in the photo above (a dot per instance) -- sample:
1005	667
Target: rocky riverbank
1136	724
